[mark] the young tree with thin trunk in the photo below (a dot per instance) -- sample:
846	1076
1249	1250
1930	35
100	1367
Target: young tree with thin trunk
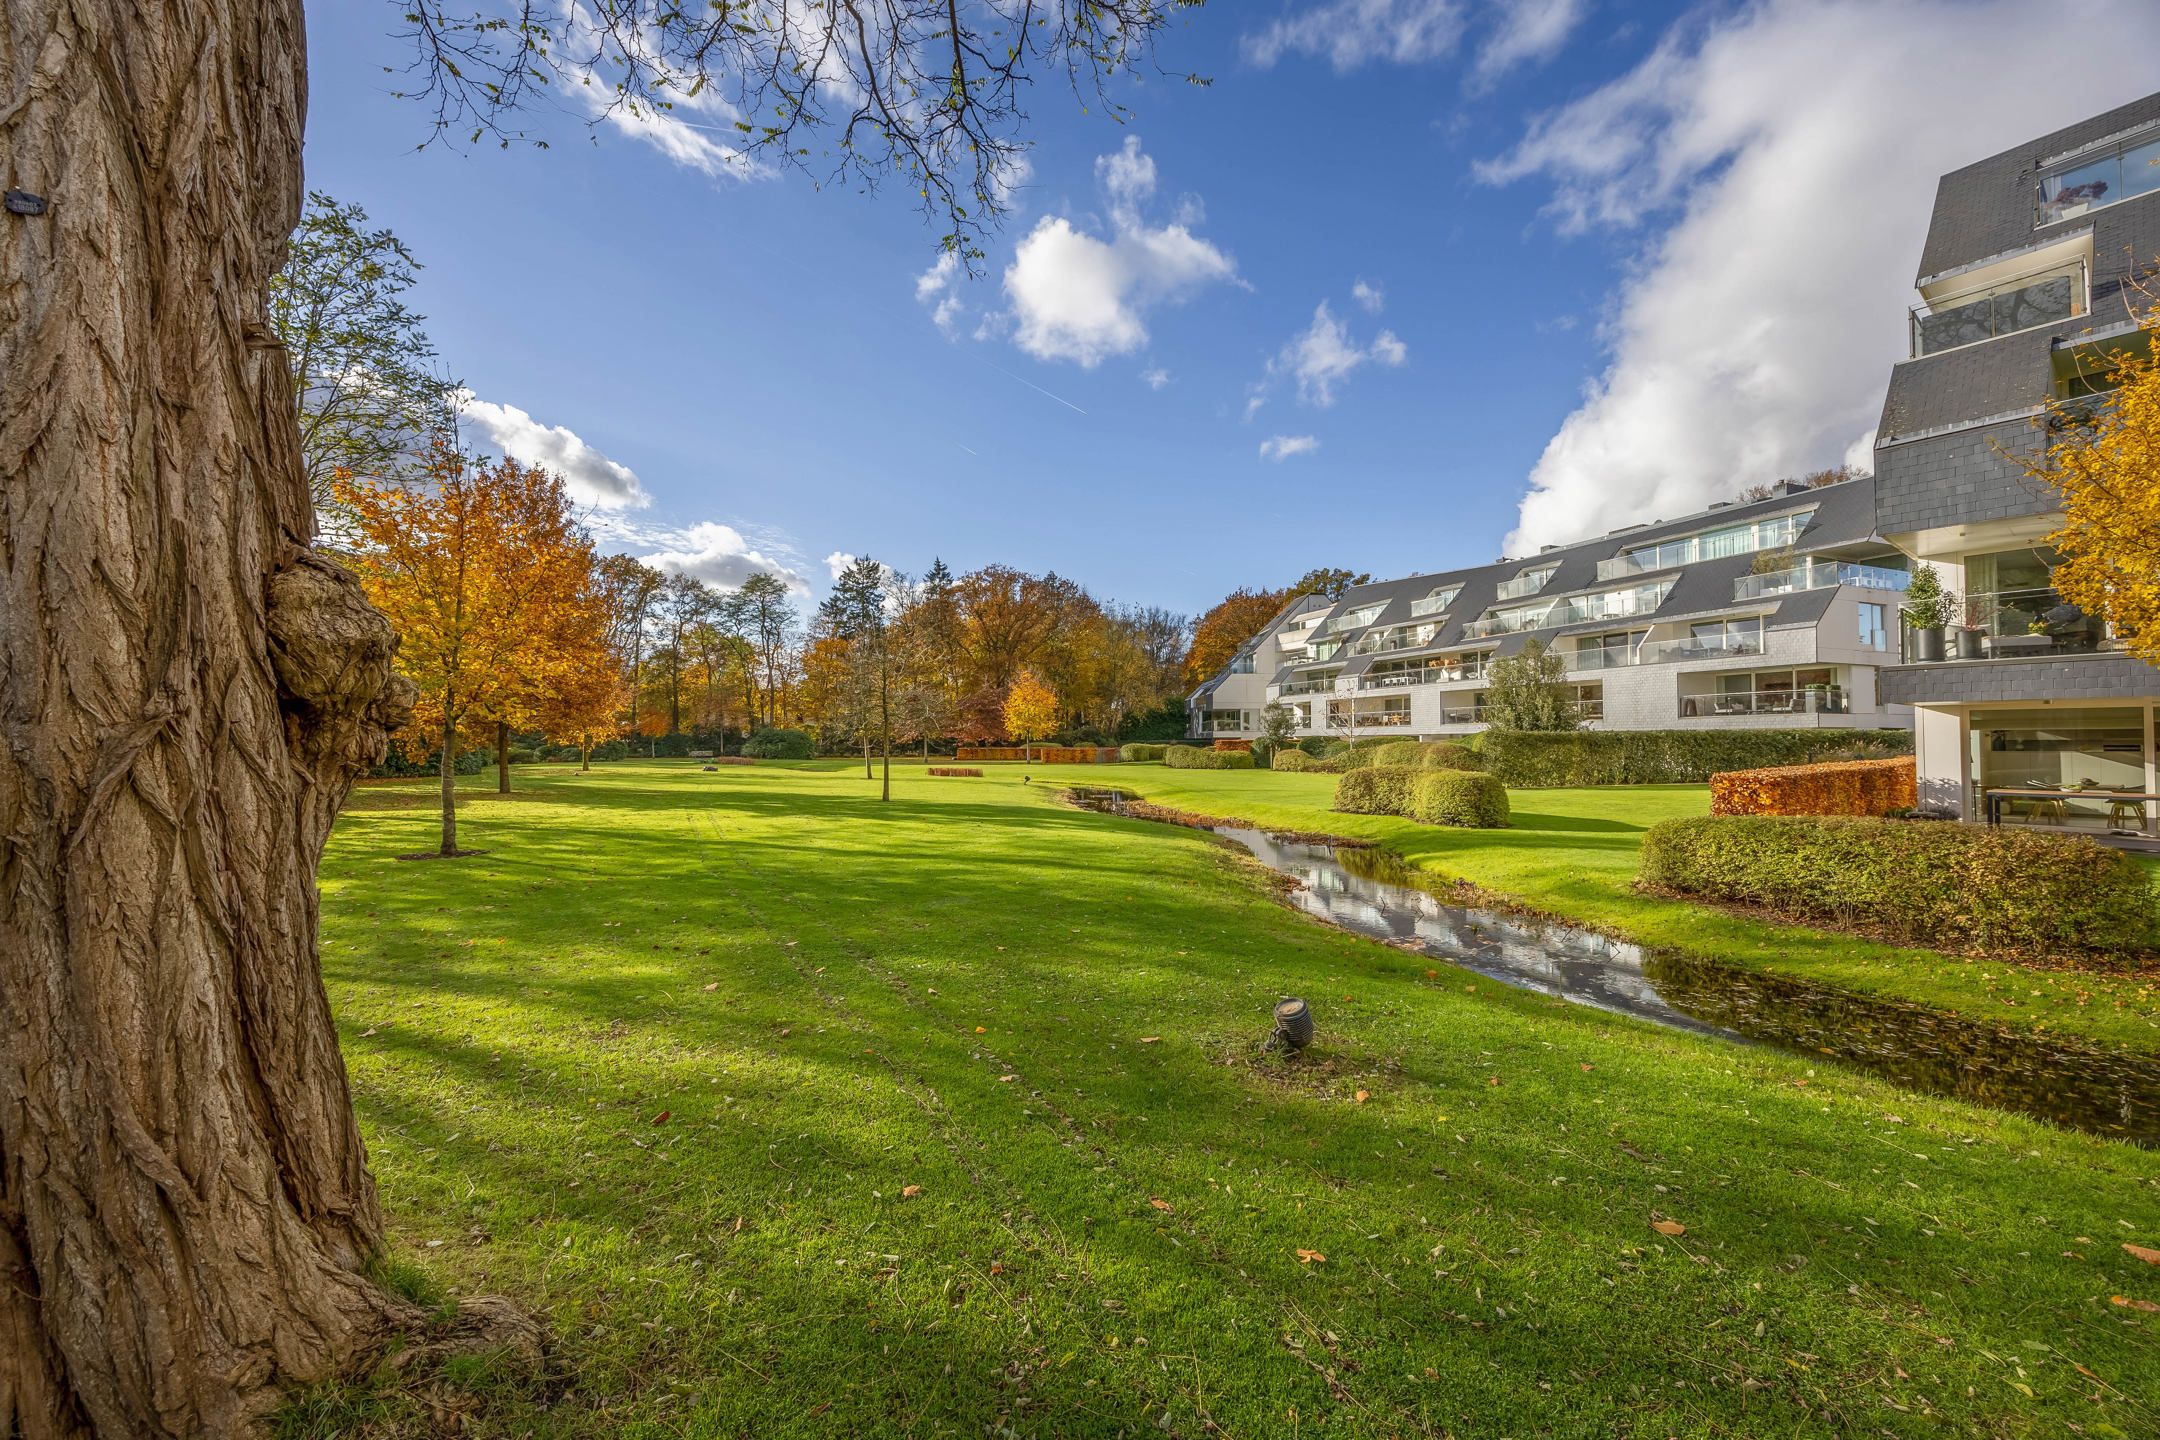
186	1217
858	611
768	620
1031	712
628	588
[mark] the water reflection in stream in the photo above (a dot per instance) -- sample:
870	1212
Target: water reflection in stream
1372	893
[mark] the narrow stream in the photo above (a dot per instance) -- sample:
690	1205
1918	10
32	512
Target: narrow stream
1371	893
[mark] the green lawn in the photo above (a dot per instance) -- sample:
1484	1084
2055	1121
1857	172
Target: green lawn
1573	853
965	1134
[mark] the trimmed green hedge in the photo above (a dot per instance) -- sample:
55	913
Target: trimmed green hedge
1523	758
1192	757
1375	790
1298	760
1459	797
1426	755
779	744
1960	886
1138	753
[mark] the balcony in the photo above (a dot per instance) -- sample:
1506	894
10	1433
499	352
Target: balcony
1814	700
2122	172
1698	647
1306	687
1382	642
1606	658
1462	715
2024	624
1818	575
1395	679
1775	533
2045	299
1433	604
1523	585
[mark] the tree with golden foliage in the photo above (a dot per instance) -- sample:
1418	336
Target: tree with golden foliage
487	581
2105	468
1031	711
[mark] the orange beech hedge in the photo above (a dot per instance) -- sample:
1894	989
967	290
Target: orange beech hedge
1042	754
951	770
1837	787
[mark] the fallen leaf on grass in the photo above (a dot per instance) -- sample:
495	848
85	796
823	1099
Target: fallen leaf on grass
1151	1039
661	1118
1493	1080
980	1031
1159	1203
2143	1252
997	1267
1311	1257
2146	1305
1007	1079
714	986
1668	1227
786	1031
1363	1096
909	1192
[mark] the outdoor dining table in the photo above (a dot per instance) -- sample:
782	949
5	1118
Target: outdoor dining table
1994	800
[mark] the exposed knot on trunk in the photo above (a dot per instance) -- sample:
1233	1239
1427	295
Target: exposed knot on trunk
332	653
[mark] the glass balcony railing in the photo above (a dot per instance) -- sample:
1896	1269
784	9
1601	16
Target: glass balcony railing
1306	687
1523	585
1462	715
1422	675
1818	575
2124	172
1775	533
1433	604
1381	642
1698	647
1606	657
2042	300
1814	700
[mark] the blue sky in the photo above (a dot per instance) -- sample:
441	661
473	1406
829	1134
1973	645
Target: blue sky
1621	257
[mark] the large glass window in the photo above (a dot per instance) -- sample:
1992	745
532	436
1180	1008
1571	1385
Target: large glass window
1874	626
2100	180
2100	749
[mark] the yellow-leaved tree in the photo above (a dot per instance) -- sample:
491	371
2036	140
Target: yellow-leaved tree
1031	711
2105	468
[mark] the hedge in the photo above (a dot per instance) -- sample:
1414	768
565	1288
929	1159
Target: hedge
1840	787
1958	886
1192	757
1526	758
1459	797
779	744
1040	754
1375	790
1297	761
1141	752
1426	755
955	771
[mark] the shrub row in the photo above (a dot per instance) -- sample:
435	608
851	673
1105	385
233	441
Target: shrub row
1375	790
1960	886
1192	757
779	744
1300	762
1459	797
1426	755
1041	754
1838	787
1669	757
1141	753
955	771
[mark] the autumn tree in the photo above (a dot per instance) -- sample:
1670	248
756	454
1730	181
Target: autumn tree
684	602
486	580
364	379
1328	582
2103	463
1030	711
761	607
194	699
1222	631
628	589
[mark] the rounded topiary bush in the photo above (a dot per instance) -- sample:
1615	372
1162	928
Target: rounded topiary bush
1296	761
1141	753
1375	790
779	744
1193	757
1459	797
1962	886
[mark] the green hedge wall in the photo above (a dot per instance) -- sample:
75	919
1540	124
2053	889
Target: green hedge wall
1142	752
1959	886
1298	760
779	744
1459	797
1375	790
1524	758
1192	757
1426	755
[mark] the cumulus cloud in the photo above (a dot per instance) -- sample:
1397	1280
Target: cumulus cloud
836	563
939	288
1350	33
1155	379
1527	31
1278	448
592	479
719	555
1779	176
1323	356
1081	296
1369	297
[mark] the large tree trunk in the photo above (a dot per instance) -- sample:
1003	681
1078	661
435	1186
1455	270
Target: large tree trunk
186	694
446	771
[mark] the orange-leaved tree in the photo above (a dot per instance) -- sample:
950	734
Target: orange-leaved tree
2105	467
1031	711
1237	618
487	581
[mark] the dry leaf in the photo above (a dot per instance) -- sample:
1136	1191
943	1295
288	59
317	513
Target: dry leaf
909	1192
997	1267
1668	1227
661	1118
1159	1203
1007	1079
1311	1257
2143	1252
1363	1096
2146	1305
1151	1039
980	1031
786	1030
1492	1080
714	986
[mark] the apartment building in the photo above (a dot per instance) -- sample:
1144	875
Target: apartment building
1767	614
2024	288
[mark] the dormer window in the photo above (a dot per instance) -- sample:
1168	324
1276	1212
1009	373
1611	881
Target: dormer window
2105	175
1527	582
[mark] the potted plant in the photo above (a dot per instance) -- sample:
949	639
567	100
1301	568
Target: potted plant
1927	612
1972	629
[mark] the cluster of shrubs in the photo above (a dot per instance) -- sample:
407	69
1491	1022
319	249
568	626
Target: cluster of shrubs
1964	887
1300	761
1141	753
1838	787
1193	757
779	743
1431	795
1523	758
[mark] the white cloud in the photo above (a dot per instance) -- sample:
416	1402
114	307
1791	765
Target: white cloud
719	555
1371	297
1351	33
1790	171
1323	356
837	563
1155	379
1526	31
591	478
1080	296
1279	448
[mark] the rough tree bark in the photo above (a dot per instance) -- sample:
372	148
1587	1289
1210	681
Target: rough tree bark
186	693
446	771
